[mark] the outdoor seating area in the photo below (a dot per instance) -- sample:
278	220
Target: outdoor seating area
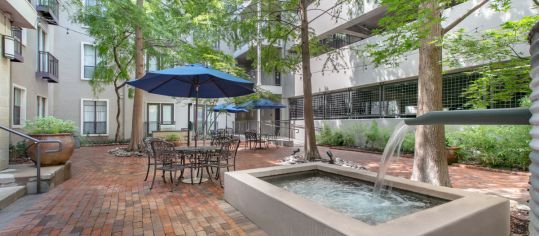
278	118
164	157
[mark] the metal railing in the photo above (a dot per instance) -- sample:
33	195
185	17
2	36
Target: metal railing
277	128
16	33
48	66
51	9
36	142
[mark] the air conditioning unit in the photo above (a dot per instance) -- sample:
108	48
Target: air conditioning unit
8	43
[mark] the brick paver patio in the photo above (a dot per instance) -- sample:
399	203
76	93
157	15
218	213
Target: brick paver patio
106	196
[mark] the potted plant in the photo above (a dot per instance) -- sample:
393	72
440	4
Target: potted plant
51	128
173	138
452	150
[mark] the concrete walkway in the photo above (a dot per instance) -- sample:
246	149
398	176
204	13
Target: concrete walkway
107	195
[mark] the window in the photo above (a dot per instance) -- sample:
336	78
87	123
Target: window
152	64
89	61
158	115
94	117
19	106
89	3
41	106
277	78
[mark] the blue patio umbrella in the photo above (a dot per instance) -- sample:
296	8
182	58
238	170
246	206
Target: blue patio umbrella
229	108
194	81
261	103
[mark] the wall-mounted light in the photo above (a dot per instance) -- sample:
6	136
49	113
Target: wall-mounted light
8	46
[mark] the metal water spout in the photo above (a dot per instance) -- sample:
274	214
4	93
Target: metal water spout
512	116
534	121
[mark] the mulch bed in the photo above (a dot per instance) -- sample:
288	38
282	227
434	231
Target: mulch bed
519	222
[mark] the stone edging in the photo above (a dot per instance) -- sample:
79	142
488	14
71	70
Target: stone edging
523	173
468	166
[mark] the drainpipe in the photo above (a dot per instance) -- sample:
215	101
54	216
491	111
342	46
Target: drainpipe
534	121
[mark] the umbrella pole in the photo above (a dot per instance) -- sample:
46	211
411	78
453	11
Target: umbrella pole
196	115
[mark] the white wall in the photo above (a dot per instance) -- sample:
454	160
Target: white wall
355	73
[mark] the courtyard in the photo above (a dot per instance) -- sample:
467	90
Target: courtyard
106	195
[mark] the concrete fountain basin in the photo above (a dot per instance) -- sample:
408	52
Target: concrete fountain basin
280	212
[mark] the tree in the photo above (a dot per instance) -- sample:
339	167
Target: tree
137	120
504	71
113	47
166	31
283	21
411	25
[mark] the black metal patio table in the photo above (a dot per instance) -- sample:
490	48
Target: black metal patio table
198	158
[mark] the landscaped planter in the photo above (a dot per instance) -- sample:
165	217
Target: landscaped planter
54	158
452	155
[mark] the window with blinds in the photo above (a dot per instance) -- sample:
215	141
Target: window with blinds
95	117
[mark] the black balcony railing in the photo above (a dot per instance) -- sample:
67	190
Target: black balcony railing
49	9
47	67
16	32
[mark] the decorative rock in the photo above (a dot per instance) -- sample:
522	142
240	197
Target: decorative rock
122	152
296	159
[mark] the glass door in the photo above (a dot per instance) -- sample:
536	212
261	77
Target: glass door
153	118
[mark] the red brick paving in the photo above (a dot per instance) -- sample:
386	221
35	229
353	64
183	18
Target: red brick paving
106	196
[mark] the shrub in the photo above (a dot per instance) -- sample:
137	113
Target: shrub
376	138
408	144
495	146
50	125
337	138
348	139
172	137
325	135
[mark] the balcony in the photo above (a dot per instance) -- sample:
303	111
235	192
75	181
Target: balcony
49	9
16	33
47	67
22	13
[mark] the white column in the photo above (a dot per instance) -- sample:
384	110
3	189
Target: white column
259	57
534	121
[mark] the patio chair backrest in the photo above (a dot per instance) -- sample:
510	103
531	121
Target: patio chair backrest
147	142
250	135
230	148
163	151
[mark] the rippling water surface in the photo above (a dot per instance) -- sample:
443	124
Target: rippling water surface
354	197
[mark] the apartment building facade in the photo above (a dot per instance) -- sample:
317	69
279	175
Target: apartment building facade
15	15
54	80
361	92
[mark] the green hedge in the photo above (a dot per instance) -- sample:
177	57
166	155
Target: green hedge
491	146
370	137
505	146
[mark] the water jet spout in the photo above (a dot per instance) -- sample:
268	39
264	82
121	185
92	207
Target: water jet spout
511	116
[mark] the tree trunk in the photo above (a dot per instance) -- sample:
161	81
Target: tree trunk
118	112
136	128
430	163
311	150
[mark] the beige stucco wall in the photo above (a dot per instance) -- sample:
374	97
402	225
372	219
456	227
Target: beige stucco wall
24	74
5	29
71	88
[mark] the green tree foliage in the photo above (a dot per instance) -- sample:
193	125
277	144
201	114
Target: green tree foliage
175	33
504	71
417	25
284	28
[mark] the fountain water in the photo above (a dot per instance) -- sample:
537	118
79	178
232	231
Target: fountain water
391	152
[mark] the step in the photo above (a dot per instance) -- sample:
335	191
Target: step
9	195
